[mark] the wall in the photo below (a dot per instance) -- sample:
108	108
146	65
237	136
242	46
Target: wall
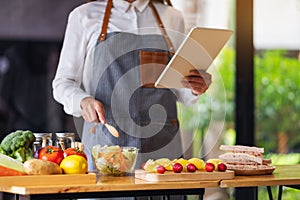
31	33
35	19
277	24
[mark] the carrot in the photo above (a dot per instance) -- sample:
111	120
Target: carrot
4	171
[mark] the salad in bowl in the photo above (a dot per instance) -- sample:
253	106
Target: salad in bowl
114	160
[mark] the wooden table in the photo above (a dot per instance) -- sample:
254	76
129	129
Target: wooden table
287	175
105	187
284	175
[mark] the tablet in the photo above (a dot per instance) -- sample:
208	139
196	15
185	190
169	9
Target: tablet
197	51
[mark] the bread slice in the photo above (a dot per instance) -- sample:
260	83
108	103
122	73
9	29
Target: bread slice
241	158
242	149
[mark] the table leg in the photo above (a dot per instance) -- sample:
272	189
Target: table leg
280	192
270	192
7	196
201	194
22	197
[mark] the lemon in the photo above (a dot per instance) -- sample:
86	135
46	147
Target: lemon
150	166
74	164
183	162
166	162
169	168
199	163
163	161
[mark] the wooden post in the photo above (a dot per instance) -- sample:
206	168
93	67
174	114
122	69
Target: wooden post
244	116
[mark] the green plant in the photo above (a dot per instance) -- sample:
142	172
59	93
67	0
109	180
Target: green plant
277	86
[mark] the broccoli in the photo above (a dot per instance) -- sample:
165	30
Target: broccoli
18	145
2	151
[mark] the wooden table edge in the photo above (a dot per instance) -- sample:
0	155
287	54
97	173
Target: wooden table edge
283	175
226	184
32	190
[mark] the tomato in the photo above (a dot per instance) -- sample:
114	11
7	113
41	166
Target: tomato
51	153
74	151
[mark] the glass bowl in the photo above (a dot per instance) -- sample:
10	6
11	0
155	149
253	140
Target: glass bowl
114	160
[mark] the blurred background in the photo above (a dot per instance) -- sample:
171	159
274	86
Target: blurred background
31	34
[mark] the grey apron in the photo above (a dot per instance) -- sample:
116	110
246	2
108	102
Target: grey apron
146	117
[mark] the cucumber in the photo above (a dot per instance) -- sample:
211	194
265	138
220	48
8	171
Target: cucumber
8	162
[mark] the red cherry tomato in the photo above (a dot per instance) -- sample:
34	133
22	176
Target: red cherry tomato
51	153
74	151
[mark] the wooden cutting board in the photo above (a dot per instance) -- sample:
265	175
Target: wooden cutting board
184	176
57	179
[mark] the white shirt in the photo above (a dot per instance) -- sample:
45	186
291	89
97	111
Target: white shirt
72	80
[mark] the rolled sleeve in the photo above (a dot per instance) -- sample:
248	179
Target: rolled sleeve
68	78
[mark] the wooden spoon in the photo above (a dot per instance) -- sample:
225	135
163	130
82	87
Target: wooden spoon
110	128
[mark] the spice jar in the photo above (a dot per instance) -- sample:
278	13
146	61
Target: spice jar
42	140
65	140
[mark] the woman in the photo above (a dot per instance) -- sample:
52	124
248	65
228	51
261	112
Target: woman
112	53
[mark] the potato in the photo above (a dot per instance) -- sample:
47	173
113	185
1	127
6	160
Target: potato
41	167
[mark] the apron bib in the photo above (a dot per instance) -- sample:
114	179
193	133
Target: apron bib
125	68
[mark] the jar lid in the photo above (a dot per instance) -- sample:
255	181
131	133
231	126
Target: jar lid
61	135
40	135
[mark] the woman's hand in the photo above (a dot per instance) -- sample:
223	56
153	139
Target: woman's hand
92	110
198	81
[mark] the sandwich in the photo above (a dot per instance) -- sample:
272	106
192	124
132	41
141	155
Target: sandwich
239	157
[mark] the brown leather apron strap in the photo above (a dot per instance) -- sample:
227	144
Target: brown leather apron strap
162	28
107	13
102	35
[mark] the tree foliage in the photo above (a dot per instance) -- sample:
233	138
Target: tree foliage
277	91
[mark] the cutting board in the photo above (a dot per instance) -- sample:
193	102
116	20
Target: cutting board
58	179
184	176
